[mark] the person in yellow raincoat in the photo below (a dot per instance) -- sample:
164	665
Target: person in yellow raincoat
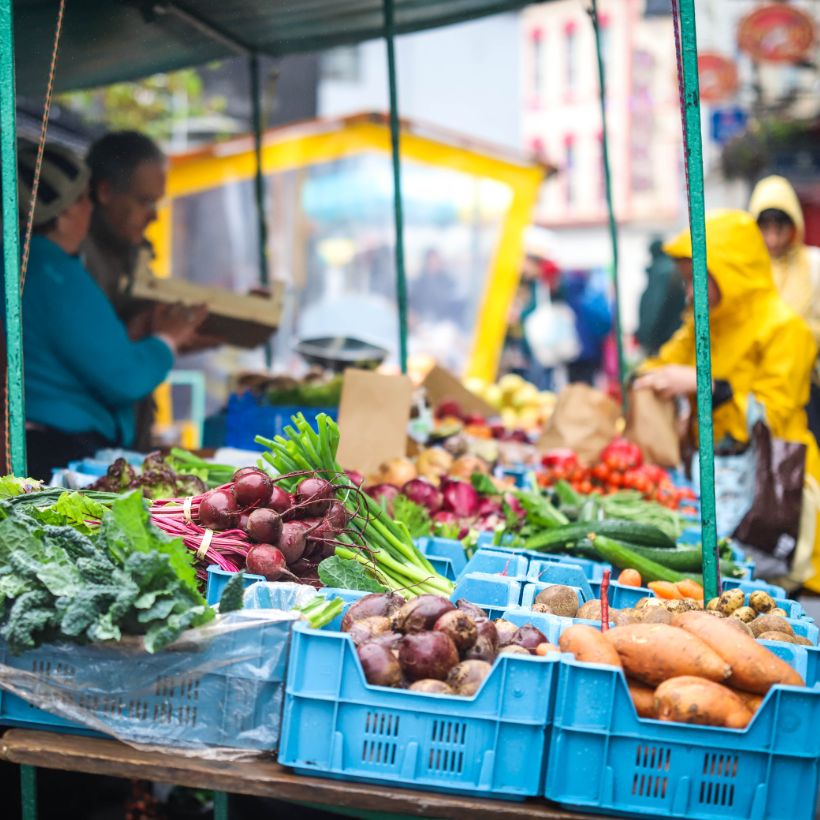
760	347
795	265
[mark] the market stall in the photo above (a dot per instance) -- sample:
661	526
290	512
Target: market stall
447	622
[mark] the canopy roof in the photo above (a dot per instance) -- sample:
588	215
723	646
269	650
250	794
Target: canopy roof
106	41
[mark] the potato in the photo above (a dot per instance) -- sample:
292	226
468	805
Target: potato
542	608
753	667
778	611
691	699
652	653
713	605
561	600
625	616
589	645
774	635
652	615
761	601
591	610
802	640
744	613
643	697
770	623
649	601
731	600
676	605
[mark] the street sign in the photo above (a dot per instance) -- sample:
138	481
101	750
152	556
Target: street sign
727	123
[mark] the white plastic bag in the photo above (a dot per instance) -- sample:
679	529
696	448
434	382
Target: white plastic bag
551	332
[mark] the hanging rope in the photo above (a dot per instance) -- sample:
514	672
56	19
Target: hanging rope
55	50
610	207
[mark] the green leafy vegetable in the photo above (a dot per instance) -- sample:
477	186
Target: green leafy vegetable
483	484
344	573
11	486
412	515
232	597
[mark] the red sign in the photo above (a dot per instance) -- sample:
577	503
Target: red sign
717	76
777	34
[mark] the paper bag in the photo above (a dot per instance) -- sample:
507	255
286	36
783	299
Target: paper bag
373	417
652	424
441	386
584	420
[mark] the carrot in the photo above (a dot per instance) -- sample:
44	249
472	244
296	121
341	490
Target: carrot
652	653
588	645
754	667
643	697
630	578
690	589
690	699
666	590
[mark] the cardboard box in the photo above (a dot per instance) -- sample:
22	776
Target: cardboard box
239	319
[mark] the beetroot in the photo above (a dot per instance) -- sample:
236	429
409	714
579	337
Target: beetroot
267	560
528	637
252	489
264	526
379	665
337	517
505	631
217	510
466	678
422	492
482	650
459	627
377	603
421	613
355	477
475	612
366	629
460	498
292	541
314	496
427	655
280	500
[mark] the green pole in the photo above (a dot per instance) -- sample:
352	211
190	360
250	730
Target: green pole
398	215
16	416
220	806
259	181
693	150
28	792
613	225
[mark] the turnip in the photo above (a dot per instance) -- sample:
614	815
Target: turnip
459	627
377	603
427	655
217	510
264	526
266	560
252	489
421	613
379	664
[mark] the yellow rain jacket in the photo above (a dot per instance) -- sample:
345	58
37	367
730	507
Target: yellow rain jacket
759	345
797	272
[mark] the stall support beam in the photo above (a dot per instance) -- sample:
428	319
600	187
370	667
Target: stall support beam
28	792
220	806
15	408
613	225
395	143
693	150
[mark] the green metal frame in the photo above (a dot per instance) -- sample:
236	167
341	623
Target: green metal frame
697	224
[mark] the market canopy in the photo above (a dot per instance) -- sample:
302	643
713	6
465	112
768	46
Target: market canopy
106	41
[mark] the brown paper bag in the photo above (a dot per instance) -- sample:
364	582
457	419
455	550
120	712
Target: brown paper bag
584	420
373	416
652	424
441	386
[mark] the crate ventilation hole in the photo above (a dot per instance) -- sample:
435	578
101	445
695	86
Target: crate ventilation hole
717	787
381	730
647	780
447	743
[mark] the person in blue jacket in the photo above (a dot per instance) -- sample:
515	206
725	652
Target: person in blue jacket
82	372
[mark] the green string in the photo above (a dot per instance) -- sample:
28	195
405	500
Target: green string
15	407
398	215
697	224
613	225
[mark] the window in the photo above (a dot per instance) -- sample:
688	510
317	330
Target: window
537	56
571	57
569	170
343	64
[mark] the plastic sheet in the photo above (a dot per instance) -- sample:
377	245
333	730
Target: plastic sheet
215	693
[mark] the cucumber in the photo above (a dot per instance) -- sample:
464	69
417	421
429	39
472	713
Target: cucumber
683	559
589	510
566	495
630	531
624	556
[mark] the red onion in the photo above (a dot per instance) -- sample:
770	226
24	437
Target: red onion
422	492
460	498
383	494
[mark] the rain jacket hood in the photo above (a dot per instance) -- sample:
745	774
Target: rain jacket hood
736	258
777	192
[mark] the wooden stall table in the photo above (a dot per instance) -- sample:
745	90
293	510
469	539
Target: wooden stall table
259	778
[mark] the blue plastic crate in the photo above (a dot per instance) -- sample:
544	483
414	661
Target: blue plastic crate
218	579
566	574
337	725
593	570
247	417
604	758
523	476
444	548
498	562
493	593
226	692
748	585
621	596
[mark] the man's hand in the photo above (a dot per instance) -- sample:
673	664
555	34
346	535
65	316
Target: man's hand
140	325
201	342
669	381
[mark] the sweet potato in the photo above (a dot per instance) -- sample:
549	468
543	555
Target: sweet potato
643	697
652	653
588	645
752	701
754	668
690	699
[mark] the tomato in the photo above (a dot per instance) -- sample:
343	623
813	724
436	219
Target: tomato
616	480
600	472
585	487
561	457
629	454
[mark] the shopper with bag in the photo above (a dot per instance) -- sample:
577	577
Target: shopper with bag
759	347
